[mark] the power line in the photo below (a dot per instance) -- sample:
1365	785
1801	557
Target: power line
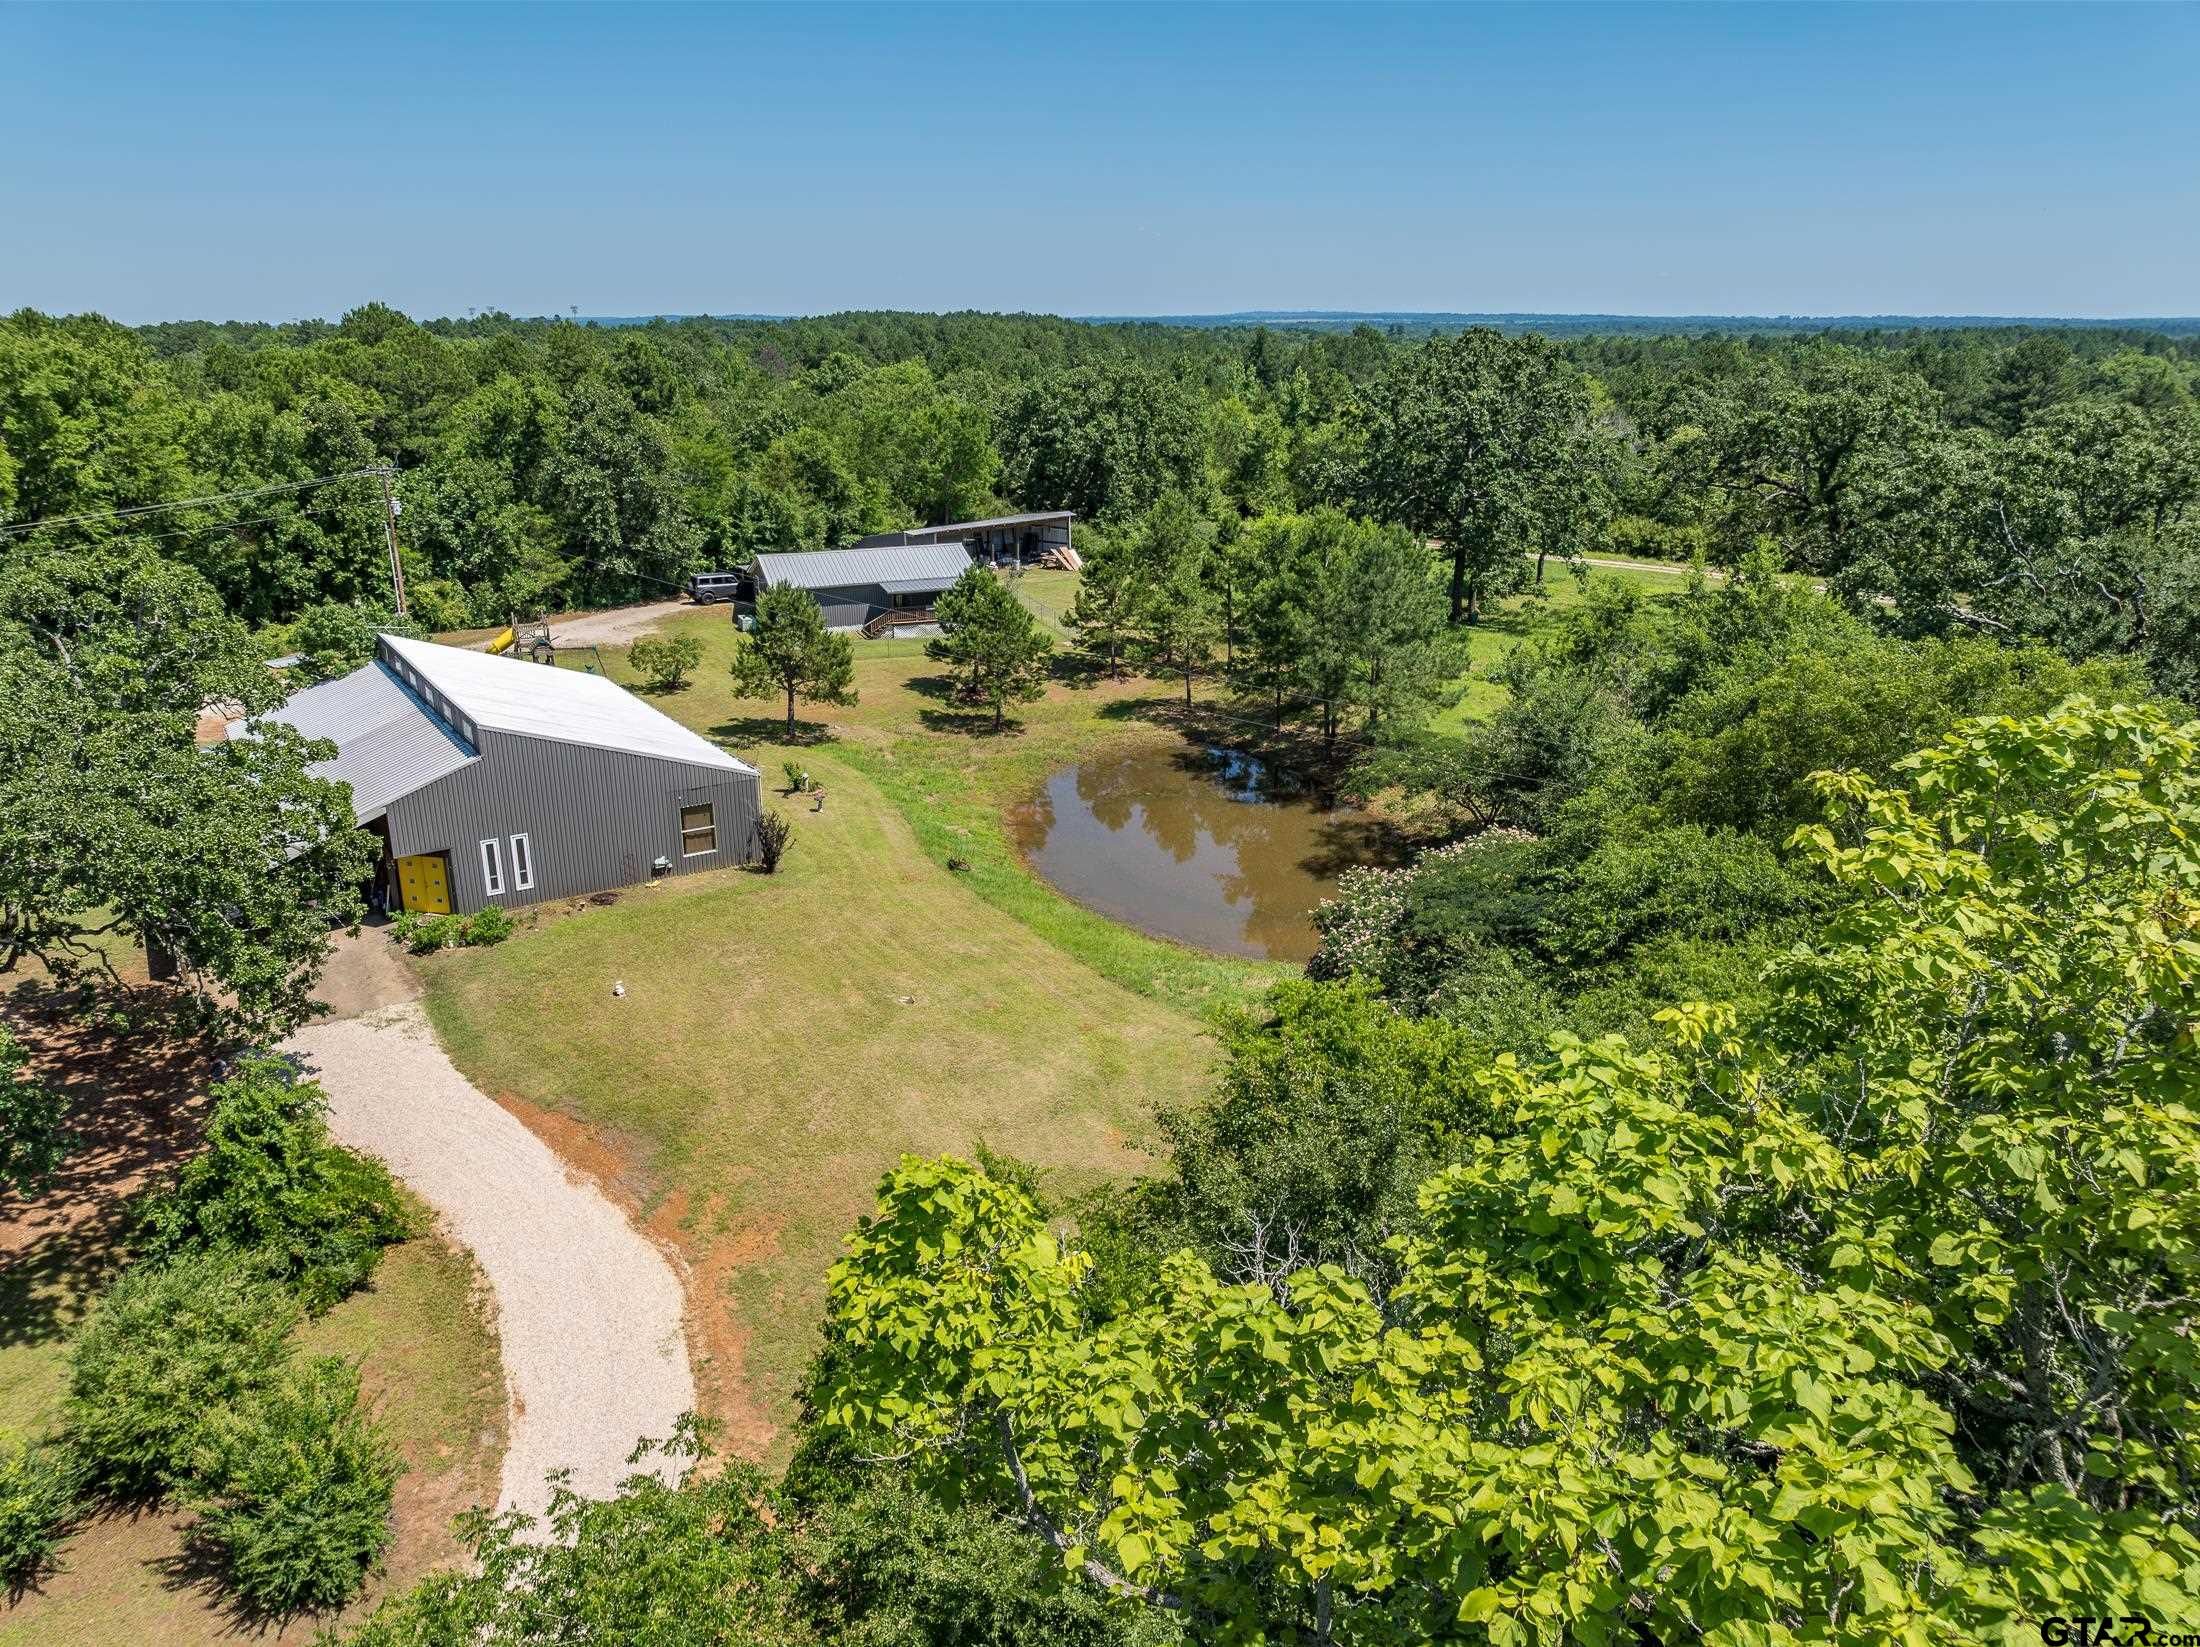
389	526
303	510
626	572
19	528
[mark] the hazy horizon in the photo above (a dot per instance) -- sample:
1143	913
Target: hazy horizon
1273	317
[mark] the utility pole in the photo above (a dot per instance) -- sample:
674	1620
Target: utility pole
389	525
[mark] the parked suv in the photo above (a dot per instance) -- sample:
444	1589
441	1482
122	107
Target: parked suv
706	587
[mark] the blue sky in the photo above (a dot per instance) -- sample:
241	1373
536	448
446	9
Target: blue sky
280	162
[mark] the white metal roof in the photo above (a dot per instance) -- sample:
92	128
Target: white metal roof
845	568
388	744
569	705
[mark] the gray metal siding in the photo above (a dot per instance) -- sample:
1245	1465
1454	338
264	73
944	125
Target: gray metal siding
593	818
851	606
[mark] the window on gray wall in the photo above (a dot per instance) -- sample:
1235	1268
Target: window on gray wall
492	867
523	863
698	831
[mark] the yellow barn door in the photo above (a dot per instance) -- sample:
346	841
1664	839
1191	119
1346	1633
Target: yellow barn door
423	885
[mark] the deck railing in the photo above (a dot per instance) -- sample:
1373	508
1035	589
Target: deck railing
895	619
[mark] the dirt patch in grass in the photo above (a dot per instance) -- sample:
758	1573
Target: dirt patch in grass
586	1152
718	1340
366	971
134	1107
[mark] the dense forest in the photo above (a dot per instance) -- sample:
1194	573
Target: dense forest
2017	483
1741	1182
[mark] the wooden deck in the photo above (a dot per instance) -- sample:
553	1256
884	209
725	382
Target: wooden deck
901	616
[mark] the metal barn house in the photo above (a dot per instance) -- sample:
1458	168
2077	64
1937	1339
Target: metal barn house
868	589
492	781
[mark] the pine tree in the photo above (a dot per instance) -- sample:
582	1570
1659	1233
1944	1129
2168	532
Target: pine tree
790	650
1104	614
991	643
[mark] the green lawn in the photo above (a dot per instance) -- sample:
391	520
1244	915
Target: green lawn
954	781
1519	617
1048	593
783	1039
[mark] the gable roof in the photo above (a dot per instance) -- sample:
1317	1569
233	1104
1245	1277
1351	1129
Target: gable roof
938	564
388	742
532	701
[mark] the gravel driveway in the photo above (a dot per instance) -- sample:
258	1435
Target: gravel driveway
588	1312
616	627
613	626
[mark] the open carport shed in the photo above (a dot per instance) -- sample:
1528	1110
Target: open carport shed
1004	540
493	781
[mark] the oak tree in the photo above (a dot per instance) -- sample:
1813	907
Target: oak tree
234	859
1477	440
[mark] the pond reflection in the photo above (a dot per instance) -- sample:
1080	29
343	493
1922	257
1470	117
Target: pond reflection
1212	847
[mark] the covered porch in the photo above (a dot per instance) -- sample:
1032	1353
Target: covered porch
1009	540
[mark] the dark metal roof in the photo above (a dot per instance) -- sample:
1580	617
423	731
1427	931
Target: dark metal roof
1044	515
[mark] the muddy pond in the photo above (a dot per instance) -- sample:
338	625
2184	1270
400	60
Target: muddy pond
1211	847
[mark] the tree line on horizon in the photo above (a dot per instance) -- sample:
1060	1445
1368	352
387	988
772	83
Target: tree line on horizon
2019	482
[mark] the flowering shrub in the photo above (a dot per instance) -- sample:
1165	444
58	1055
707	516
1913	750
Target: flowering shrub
1358	924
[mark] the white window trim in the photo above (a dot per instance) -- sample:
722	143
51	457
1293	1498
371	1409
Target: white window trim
523	863
492	867
710	829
